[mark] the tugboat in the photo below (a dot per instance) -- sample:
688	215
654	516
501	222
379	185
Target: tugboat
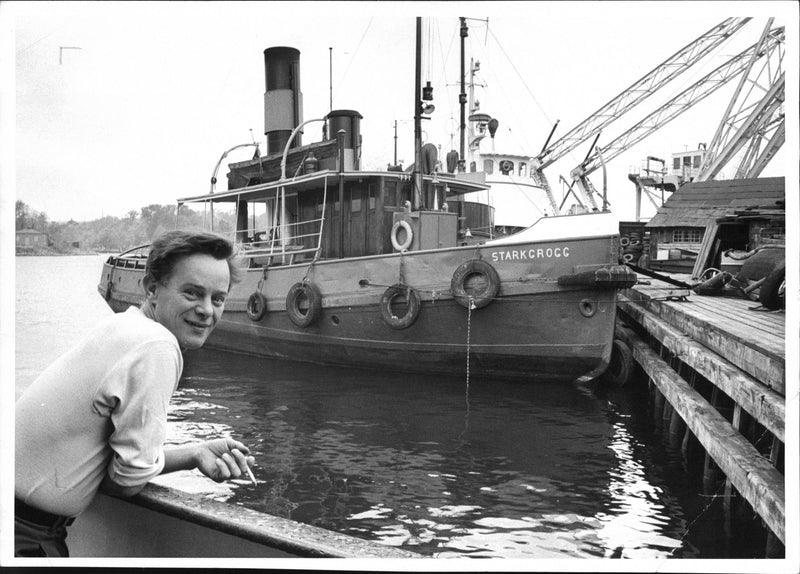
379	269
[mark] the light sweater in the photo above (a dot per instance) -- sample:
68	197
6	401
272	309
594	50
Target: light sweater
99	408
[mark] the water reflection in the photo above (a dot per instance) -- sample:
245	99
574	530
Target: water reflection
633	525
515	471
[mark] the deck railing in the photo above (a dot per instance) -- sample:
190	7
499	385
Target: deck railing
285	241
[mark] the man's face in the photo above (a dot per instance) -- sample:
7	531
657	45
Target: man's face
190	302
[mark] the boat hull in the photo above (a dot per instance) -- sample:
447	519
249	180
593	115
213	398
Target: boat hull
533	329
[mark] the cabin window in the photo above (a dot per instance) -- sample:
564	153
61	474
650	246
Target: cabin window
696	161
355	205
372	198
488	166
473	166
676	163
523	169
390	194
687	235
687	160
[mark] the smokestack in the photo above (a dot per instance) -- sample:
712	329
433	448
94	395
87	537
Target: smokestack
350	122
283	101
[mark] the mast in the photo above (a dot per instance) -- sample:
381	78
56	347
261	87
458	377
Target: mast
462	99
417	197
395	143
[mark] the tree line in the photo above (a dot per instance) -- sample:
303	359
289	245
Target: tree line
116	234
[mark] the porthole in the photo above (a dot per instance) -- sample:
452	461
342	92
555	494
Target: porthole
587	307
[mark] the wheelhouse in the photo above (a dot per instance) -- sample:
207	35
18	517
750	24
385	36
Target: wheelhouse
330	214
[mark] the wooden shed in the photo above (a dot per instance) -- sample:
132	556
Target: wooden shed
703	219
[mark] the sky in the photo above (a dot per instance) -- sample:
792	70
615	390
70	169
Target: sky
120	105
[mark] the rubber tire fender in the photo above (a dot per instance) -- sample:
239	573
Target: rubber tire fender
412	312
769	292
256	306
401	223
467	269
620	368
312	295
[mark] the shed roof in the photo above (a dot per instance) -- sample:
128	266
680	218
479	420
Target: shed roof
30	232
698	203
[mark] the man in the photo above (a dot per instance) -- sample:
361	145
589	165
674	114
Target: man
97	417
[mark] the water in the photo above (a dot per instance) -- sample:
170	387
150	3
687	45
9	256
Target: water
492	469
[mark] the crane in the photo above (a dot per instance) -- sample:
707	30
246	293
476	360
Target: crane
636	93
682	102
755	113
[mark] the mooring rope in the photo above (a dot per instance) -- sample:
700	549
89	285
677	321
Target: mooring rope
470	307
401	276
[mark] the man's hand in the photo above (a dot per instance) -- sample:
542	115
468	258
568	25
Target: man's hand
223	458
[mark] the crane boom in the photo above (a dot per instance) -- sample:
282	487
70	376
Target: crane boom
639	90
772	147
760	117
677	105
726	122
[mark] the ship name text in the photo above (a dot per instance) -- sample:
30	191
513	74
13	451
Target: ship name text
533	253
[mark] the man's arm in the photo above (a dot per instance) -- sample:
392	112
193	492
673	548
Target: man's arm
218	459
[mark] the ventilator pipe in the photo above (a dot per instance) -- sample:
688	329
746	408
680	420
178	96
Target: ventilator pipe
222	157
289	143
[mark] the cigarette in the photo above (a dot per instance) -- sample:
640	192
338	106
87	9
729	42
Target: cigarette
253	478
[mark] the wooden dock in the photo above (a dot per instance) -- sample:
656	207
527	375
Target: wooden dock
716	370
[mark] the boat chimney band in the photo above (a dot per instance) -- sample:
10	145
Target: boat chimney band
283	100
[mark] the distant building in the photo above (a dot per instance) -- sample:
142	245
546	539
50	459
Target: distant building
686	164
31	238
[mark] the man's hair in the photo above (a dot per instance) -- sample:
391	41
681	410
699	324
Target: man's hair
168	248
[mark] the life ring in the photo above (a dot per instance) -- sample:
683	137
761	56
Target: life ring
506	166
412	306
303	304
401	224
620	367
475	280
624	241
256	306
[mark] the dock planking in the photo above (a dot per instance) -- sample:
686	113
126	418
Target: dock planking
739	348
761	402
751	339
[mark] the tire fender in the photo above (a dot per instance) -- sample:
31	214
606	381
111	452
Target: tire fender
769	293
485	292
256	306
620	368
412	311
303	315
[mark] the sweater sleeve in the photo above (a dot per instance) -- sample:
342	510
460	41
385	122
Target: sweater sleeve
140	389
